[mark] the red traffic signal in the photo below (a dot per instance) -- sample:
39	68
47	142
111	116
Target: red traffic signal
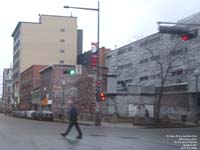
184	32
102	96
185	37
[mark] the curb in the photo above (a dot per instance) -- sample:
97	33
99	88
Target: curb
139	126
172	126
81	123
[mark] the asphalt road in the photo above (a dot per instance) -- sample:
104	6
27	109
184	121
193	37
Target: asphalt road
23	134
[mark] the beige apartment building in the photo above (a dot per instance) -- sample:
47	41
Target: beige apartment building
53	40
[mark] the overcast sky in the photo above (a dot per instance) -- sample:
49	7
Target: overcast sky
121	21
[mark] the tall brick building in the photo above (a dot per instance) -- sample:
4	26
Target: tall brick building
7	99
30	80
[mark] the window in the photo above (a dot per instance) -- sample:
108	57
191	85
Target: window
61	61
144	61
16	55
62	40
128	81
122	83
124	50
198	101
177	72
8	89
8	99
154	58
62	50
16	65
150	41
154	76
16	75
16	35
17	45
179	81
179	51
62	30
144	78
109	56
124	66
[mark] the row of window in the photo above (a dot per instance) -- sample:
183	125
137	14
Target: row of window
150	41
16	65
178	72
157	76
124	66
16	35
62	41
152	58
124	50
124	82
16	75
17	45
151	77
173	53
179	51
16	55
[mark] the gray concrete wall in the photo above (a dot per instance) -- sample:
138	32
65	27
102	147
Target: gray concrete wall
174	105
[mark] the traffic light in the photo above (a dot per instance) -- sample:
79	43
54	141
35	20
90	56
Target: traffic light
97	92
69	71
184	32
189	36
102	96
184	37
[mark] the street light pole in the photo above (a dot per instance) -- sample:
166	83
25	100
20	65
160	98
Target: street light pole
63	99
97	119
98	20
196	72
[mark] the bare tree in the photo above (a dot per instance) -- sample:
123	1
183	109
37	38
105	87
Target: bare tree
165	65
86	91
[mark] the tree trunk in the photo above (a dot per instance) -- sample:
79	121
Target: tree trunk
158	104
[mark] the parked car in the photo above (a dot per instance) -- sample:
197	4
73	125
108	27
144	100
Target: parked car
29	114
21	114
47	115
36	115
43	115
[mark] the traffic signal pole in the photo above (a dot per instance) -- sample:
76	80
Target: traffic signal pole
184	31
188	24
98	118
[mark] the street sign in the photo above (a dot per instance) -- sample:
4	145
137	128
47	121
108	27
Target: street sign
93	60
94	47
78	69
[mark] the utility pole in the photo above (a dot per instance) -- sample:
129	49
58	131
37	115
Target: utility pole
98	118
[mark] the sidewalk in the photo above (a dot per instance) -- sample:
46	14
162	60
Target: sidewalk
103	124
130	125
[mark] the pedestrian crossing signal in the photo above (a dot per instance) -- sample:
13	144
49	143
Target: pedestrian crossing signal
102	96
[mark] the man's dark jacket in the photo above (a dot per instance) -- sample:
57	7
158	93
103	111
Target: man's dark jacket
73	114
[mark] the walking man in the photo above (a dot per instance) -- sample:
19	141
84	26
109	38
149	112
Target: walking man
147	118
73	121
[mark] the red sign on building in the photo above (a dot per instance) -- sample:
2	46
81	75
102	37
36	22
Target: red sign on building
93	60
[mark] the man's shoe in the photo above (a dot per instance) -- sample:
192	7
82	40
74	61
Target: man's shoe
62	134
79	137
